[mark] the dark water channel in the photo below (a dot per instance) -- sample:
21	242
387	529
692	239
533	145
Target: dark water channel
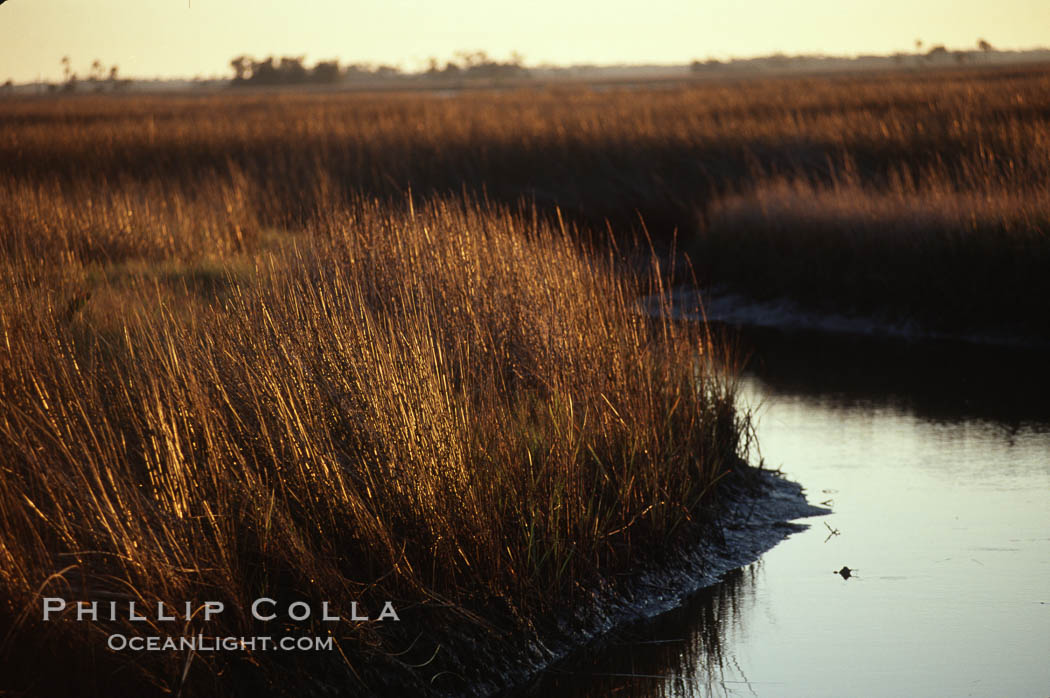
936	461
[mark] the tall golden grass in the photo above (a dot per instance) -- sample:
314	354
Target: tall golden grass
443	404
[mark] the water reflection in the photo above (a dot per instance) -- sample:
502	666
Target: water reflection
677	654
936	461
937	381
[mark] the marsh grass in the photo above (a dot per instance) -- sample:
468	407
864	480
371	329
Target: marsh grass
608	157
316	347
446	404
935	256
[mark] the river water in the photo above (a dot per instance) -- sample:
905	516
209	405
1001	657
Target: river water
935	459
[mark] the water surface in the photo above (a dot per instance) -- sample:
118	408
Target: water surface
936	462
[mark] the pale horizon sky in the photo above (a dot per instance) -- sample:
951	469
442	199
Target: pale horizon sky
188	38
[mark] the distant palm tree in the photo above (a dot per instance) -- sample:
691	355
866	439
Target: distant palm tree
240	67
71	77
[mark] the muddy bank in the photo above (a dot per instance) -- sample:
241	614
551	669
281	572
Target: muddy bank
759	510
723	306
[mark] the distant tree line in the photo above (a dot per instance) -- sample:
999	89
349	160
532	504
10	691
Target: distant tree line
292	70
938	54
941	53
478	64
287	70
99	79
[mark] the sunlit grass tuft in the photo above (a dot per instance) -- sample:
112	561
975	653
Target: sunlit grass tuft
445	404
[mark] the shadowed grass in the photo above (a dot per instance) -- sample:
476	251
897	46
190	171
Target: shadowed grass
946	259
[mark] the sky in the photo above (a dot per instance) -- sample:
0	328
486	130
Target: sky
189	38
